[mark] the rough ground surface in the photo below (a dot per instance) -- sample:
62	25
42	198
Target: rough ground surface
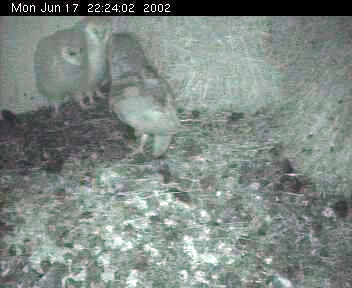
228	206
225	209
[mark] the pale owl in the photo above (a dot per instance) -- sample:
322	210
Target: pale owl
97	31
74	62
145	106
128	62
57	65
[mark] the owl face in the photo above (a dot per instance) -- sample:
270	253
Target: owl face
69	45
99	29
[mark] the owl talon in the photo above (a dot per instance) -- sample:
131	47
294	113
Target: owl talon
100	94
91	98
55	112
83	105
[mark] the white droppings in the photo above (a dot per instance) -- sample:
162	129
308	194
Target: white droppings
284	282
109	228
208	258
204	215
169	222
200	277
78	247
328	212
94	156
107	276
164	203
128	246
221	245
116	241
215	276
132	279
149	248
151	213
97	250
254	186
183	275
141	203
204	234
188	247
104	260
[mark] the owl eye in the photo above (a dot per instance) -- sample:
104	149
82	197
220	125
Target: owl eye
72	53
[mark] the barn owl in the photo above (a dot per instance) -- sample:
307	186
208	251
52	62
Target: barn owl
128	61
74	62
57	65
97	31
144	105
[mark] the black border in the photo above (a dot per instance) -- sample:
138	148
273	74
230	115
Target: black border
184	8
